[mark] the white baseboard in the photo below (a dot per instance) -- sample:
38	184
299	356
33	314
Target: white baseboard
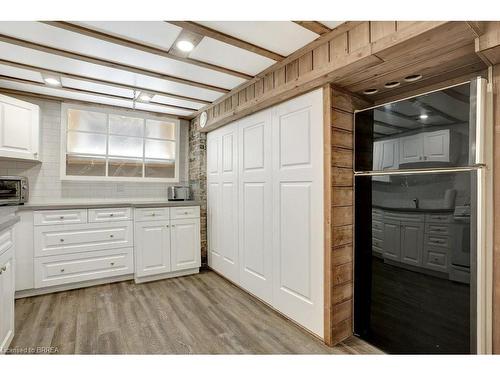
169	275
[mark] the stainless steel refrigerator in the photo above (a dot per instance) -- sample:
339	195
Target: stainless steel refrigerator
419	166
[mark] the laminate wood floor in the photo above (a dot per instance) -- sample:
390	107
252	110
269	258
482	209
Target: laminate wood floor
199	314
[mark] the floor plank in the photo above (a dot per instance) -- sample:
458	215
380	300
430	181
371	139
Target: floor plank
198	314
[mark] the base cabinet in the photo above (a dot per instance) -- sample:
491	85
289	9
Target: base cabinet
165	247
152	248
7	291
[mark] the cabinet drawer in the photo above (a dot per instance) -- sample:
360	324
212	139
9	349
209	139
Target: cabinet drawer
377	214
184	212
149	214
100	215
378	233
71	268
438	218
6	240
403	216
435	240
66	239
52	217
436	228
436	259
377	225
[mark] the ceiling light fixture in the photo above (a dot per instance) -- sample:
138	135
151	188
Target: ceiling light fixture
185	45
52	81
145	97
413	77
424	116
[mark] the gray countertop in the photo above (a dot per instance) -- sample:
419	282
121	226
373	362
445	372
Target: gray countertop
89	203
410	209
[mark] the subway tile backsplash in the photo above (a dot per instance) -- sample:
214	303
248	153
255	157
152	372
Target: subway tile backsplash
44	177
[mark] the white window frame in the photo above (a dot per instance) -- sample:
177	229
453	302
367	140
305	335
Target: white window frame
111	111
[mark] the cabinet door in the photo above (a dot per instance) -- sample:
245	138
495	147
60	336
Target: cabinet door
389	158
7	300
185	244
255	205
392	240
19	127
152	248
412	242
298	226
437	146
411	149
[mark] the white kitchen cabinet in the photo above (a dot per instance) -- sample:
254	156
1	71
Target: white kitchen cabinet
385	157
7	290
392	240
437	145
277	225
152	248
425	147
185	244
411	149
412	235
19	129
163	248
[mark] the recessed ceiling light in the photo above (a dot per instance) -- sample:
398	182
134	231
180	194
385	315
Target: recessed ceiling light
392	84
413	77
145	97
370	91
424	116
52	81
185	45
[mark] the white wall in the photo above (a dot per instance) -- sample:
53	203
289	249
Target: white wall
44	180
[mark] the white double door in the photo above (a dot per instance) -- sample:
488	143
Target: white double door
265	206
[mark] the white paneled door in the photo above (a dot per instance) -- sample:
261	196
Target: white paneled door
222	178
298	210
265	206
255	204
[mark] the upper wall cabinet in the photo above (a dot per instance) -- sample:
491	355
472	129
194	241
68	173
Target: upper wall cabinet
19	129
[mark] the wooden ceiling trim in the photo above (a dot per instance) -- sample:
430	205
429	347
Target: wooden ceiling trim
102	82
353	52
304	55
143	47
314	26
88	92
228	39
108	63
56	98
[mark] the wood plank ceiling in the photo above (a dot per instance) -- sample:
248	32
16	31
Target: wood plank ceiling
139	64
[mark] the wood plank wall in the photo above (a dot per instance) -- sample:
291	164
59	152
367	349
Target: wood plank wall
341	213
344	51
496	208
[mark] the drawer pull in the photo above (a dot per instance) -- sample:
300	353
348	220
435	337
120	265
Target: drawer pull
62	269
3	269
111	235
185	212
111	215
61	217
61	239
112	263
153	214
166	226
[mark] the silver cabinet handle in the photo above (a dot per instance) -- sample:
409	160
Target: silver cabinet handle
111	215
61	217
112	263
111	235
166	226
3	269
62	269
153	214
62	239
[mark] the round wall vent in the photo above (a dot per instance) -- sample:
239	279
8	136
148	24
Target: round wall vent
370	91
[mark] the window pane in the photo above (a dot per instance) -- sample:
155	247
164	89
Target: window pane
86	143
160	129
124	125
125	146
160	149
87	121
159	169
85	166
124	167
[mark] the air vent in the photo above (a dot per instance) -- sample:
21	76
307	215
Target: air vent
370	91
413	77
392	84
